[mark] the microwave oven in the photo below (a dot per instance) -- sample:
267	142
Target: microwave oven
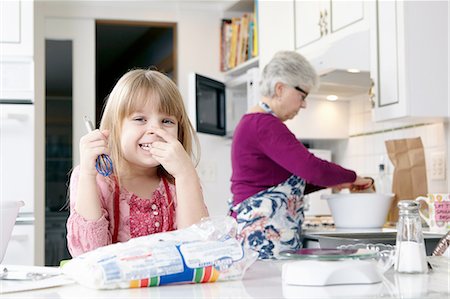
216	107
210	106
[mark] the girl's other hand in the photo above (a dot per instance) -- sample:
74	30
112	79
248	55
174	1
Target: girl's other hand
92	145
171	154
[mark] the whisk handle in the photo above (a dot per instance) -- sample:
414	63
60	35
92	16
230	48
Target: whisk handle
88	124
103	164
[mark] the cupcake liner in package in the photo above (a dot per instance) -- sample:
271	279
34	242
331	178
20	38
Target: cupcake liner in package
204	252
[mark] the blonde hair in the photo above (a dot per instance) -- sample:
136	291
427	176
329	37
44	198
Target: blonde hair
134	90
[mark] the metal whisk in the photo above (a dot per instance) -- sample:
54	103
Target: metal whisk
103	164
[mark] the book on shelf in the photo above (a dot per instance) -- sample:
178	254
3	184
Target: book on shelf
255	31
235	28
238	41
225	43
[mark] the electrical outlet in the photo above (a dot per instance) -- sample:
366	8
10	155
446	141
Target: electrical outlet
438	166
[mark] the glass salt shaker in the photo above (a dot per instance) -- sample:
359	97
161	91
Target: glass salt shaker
410	247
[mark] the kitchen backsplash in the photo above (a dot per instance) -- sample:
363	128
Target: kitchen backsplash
365	147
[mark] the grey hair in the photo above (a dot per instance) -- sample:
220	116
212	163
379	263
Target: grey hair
290	68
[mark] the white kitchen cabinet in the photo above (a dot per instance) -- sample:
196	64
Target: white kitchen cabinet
345	13
315	20
10	22
276	28
16	79
409	61
16	154
16	28
312	19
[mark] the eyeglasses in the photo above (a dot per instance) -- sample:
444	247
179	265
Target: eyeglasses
302	91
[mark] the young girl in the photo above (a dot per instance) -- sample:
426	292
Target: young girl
154	186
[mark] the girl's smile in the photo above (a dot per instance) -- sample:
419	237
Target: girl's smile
138	129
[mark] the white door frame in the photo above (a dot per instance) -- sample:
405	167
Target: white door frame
82	34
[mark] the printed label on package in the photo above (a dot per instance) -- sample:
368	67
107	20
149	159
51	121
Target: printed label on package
213	253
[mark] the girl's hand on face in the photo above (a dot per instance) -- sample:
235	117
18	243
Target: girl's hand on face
171	154
92	145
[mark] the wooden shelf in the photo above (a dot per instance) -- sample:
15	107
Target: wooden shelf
240	6
243	67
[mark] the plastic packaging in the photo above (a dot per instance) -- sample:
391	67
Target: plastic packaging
410	247
204	252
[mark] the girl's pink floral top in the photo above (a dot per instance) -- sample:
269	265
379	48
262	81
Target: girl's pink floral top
137	216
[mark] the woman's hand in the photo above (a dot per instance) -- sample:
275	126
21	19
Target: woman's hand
172	155
360	184
92	145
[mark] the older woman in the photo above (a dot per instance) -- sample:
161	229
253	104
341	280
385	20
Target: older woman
272	170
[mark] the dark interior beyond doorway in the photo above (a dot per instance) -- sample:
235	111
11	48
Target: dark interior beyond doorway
58	146
123	45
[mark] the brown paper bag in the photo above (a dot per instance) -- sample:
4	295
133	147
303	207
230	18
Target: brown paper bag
410	176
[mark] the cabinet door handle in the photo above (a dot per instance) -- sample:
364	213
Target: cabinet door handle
19	238
320	23
372	93
14	116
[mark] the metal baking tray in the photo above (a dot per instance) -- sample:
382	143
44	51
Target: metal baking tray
332	240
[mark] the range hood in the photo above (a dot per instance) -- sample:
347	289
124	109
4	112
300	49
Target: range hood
344	84
343	67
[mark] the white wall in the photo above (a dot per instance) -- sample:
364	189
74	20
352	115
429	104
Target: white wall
197	50
365	147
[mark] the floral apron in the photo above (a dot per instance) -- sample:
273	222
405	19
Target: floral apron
271	220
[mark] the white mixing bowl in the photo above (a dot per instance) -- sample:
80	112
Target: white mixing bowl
359	210
8	215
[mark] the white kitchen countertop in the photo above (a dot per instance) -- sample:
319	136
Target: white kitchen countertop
263	280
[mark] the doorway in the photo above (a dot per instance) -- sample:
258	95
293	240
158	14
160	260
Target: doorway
125	45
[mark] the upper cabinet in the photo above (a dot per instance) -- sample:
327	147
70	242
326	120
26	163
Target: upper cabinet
276	28
312	21
313	28
409	59
16	28
315	20
16	51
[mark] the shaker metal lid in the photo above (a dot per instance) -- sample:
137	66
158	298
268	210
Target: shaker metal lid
409	205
